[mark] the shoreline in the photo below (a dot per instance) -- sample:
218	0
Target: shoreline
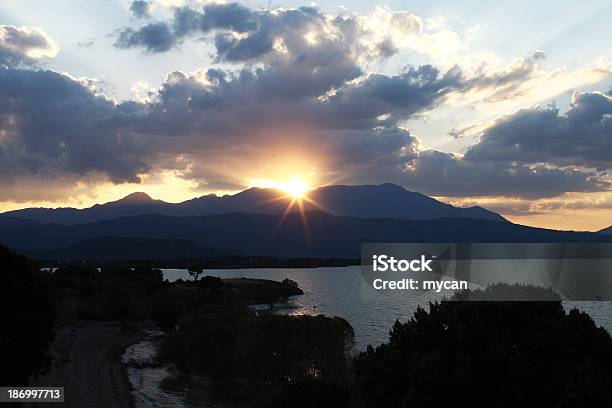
234	262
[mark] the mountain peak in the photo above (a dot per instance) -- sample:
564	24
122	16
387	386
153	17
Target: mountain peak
136	198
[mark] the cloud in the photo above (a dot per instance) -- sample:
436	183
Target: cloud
309	38
579	137
502	205
507	83
381	100
446	174
86	43
155	37
602	202
24	45
141	8
54	128
243	34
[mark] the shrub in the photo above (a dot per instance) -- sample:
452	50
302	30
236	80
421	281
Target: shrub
489	354
119	299
27	315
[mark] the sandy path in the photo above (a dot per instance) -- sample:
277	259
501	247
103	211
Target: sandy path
87	363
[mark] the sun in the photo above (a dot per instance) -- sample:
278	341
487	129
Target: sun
296	187
295	191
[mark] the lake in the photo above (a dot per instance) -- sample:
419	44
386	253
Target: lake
338	292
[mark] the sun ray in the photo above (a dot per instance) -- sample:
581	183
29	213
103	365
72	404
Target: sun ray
295	191
285	213
304	218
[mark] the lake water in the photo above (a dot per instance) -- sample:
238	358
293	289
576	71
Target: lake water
338	292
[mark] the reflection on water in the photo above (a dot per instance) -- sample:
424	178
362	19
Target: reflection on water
338	292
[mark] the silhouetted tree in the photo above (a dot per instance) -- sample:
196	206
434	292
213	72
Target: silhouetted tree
195	272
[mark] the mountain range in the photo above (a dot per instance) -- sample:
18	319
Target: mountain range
322	235
253	222
118	249
368	201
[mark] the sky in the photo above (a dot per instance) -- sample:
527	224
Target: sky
507	105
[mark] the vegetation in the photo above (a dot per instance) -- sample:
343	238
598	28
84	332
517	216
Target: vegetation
113	293
255	358
489	354
195	272
222	262
27	315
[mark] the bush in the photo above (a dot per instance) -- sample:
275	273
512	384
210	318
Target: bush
305	393
27	315
277	357
206	340
489	354
145	276
120	299
291	348
84	279
210	282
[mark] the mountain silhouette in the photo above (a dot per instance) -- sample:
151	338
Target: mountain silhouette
106	248
368	201
606	231
323	235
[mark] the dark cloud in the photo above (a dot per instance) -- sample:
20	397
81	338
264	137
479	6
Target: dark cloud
24	45
381	100
154	37
162	36
242	34
231	16
141	9
445	174
52	127
215	101
580	137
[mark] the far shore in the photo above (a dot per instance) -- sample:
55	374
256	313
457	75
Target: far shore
229	262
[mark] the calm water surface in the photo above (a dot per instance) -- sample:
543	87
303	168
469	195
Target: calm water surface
337	292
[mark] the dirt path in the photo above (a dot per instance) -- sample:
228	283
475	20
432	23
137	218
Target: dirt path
87	363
